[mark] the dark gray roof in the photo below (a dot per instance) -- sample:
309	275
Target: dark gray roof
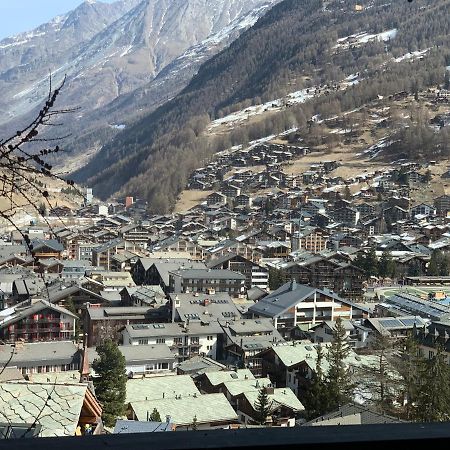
140	353
418	306
282	299
288	295
38	353
51	243
163	267
108	245
135	426
172	329
206	274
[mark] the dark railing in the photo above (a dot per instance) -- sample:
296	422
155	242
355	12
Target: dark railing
351	437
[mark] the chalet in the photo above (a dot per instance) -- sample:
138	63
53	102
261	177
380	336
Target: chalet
295	305
423	209
430	336
185	339
102	255
346	215
155	271
142	296
198	185
244	339
43	249
108	222
255	275
311	239
203	307
207	281
181	244
356	335
442	205
230	191
216	198
104	235
243	200
40	320
102	321
137	234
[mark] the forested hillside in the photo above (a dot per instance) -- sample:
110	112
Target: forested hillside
298	44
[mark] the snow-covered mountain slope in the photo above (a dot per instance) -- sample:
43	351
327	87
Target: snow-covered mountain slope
108	50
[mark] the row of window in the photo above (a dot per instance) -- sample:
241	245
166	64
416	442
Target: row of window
194	340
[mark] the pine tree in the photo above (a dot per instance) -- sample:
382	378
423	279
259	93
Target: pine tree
339	385
262	406
372	262
155	416
275	278
433	266
408	367
384	387
315	399
110	386
347	193
386	265
433	396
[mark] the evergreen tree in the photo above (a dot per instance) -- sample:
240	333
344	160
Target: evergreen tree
371	262
262	406
275	278
384	388
408	366
339	384
315	400
435	264
110	386
433	396
360	261
155	416
347	193
386	265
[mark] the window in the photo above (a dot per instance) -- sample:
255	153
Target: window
209	338
430	354
143	341
160	341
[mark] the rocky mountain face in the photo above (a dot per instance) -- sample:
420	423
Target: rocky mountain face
113	53
338	57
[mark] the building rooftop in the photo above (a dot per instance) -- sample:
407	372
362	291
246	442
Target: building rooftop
206	408
172	329
28	354
208	274
26	402
280	397
135	426
161	387
216	378
352	414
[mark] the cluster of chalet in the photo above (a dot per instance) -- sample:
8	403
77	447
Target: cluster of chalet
210	305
